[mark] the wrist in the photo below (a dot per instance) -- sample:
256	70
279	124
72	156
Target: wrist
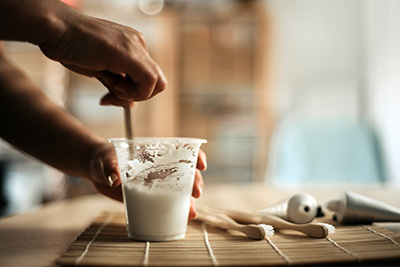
32	21
49	21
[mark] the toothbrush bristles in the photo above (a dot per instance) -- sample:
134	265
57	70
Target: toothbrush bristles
331	228
268	229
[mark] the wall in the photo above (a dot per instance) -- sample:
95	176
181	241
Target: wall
383	78
341	59
318	56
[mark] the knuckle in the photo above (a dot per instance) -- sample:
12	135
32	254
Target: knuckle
149	85
162	85
129	40
135	37
152	76
140	38
151	80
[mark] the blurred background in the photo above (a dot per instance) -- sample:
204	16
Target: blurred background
287	93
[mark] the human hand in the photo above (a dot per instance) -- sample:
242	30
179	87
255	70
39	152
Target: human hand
105	175
114	54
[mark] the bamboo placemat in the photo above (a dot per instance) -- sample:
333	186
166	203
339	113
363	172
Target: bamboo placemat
105	243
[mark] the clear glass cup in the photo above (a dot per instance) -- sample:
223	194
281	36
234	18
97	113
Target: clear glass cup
157	180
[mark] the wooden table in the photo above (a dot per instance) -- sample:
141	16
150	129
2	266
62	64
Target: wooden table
39	237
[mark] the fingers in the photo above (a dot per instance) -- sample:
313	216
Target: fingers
142	77
126	88
140	87
146	76
114	193
201	161
104	167
198	185
117	57
192	210
105	175
198	178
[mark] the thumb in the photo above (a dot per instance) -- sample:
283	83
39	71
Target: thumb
110	99
105	167
111	172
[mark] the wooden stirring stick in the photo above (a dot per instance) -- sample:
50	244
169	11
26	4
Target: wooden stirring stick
128	122
128	129
224	222
310	229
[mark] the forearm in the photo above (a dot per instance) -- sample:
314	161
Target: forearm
32	122
32	20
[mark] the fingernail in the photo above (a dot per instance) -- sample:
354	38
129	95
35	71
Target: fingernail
112	178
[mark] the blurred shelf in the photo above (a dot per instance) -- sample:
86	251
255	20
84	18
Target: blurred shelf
223	78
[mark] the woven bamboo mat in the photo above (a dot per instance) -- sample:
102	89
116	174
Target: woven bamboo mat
105	243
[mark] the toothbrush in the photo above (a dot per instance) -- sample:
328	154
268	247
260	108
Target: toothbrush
223	221
311	229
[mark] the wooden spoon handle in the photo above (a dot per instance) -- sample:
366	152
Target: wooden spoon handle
128	122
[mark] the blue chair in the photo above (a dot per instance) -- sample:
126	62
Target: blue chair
324	152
